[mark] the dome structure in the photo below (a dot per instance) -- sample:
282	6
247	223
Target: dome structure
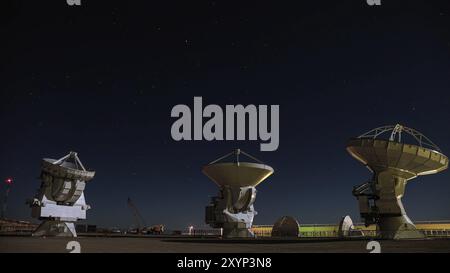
286	226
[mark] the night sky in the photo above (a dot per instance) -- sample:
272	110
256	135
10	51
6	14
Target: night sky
102	78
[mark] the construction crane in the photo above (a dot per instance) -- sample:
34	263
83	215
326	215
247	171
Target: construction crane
141	226
140	222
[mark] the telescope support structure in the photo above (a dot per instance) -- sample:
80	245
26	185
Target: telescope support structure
233	211
380	202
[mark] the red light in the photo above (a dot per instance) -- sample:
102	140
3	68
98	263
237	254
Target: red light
9	180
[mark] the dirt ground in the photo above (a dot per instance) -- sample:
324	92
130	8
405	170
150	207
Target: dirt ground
12	244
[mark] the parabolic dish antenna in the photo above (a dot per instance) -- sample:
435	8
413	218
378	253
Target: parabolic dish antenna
347	229
60	200
237	174
409	160
233	209
242	174
67	167
393	163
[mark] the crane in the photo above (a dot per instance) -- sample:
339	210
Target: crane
140	222
141	226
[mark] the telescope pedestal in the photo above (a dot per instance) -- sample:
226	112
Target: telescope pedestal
391	185
236	230
233	211
380	203
56	218
55	228
398	227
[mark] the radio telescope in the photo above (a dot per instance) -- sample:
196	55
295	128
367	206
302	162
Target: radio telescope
393	163
233	209
347	229
60	200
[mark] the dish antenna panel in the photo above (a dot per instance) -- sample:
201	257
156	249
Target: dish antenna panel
347	229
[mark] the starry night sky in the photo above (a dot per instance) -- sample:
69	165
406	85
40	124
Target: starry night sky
101	79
